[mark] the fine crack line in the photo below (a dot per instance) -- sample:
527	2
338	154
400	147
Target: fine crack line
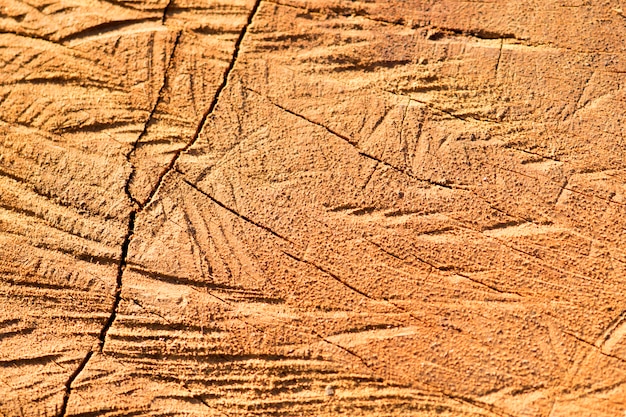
435	267
321	269
408	174
318	335
345	349
369	177
105	329
432	106
70	381
550	158
33	36
104	28
499	56
118	287
491	287
199	398
211	108
330	274
577	106
610	329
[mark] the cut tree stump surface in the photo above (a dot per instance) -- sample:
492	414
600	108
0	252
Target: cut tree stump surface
312	208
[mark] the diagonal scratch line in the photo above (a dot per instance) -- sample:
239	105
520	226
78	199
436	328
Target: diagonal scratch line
300	116
433	267
352	143
369	177
491	287
333	276
590	196
236	213
550	158
199	398
610	329
403	144
345	349
439	109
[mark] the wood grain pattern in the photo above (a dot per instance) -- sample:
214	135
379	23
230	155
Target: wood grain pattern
316	208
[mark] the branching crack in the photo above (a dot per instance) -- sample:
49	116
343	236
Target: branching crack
120	273
211	108
140	207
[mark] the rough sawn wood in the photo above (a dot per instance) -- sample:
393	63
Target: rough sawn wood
312	208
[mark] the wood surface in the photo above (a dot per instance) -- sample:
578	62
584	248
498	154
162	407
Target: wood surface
312	208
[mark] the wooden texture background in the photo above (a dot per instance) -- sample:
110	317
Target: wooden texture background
312	208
